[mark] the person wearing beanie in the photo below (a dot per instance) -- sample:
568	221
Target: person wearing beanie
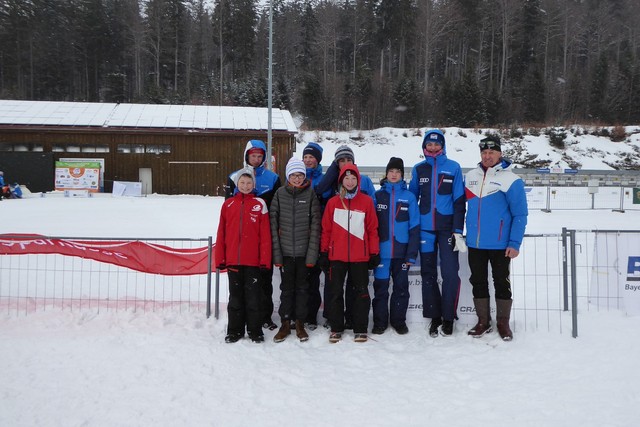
312	156
329	187
295	233
244	217
437	183
267	183
349	246
496	221
399	232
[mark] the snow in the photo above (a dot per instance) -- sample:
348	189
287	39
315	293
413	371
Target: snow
72	368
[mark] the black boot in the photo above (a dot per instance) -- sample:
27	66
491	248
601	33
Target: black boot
433	326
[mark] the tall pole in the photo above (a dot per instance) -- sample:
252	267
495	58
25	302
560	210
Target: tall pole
269	89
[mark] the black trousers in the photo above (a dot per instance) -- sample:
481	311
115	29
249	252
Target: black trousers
314	298
359	274
244	300
293	289
479	260
267	294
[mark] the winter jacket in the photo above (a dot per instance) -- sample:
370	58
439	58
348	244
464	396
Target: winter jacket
497	207
315	176
437	183
350	226
328	187
295	223
398	221
267	182
244	233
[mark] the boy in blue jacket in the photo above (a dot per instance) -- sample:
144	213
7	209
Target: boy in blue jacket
438	185
399	231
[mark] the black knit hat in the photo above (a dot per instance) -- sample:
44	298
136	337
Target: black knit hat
395	163
491	142
314	149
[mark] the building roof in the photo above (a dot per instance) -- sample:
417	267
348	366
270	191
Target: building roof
110	115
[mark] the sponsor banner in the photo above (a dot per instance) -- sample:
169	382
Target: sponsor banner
139	256
616	271
466	310
77	176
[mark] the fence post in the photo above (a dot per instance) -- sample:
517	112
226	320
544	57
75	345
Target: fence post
621	209
548	207
574	286
565	270
209	254
217	293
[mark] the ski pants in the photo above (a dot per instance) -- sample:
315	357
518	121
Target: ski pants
244	300
479	260
359	273
293	289
315	300
397	310
266	302
437	304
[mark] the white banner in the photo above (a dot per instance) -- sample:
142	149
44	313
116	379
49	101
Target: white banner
615	279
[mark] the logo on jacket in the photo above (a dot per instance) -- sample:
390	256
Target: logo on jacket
382	207
424	180
256	208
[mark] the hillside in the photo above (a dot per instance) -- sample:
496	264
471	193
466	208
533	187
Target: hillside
574	147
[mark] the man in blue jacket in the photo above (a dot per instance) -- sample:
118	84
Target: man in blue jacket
496	222
267	183
438	185
399	231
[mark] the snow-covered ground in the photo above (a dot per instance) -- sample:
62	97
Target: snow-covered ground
72	368
124	368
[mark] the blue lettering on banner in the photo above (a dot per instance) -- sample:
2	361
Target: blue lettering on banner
633	268
543	170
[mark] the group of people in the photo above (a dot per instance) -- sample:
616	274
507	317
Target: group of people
336	223
9	191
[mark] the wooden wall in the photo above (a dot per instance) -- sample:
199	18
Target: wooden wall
188	169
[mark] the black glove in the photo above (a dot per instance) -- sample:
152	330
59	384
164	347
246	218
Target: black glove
222	266
323	261
374	261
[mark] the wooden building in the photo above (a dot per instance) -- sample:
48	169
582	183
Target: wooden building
171	149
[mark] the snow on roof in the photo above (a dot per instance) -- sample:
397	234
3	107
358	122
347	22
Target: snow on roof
52	113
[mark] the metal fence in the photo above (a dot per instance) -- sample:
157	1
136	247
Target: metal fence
555	277
51	281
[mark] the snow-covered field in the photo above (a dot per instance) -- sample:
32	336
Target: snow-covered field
64	368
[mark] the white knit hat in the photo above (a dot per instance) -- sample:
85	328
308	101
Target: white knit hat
295	165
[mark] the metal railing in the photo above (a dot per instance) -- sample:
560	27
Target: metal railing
555	277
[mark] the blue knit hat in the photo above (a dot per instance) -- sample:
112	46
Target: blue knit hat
433	135
314	149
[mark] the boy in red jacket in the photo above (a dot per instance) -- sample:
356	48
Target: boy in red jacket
349	244
243	247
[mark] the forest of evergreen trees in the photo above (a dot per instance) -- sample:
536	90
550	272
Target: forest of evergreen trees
341	64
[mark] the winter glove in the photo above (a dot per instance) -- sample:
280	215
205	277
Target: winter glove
221	266
374	261
459	243
323	261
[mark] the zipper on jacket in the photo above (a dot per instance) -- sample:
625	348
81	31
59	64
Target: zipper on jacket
240	228
480	208
434	192
393	219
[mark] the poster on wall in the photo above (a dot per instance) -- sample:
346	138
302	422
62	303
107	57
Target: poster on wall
90	160
77	176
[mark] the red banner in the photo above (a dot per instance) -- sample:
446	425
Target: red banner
136	255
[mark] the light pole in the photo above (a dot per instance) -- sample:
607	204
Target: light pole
269	90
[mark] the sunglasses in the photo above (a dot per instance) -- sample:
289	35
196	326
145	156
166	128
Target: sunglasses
489	145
